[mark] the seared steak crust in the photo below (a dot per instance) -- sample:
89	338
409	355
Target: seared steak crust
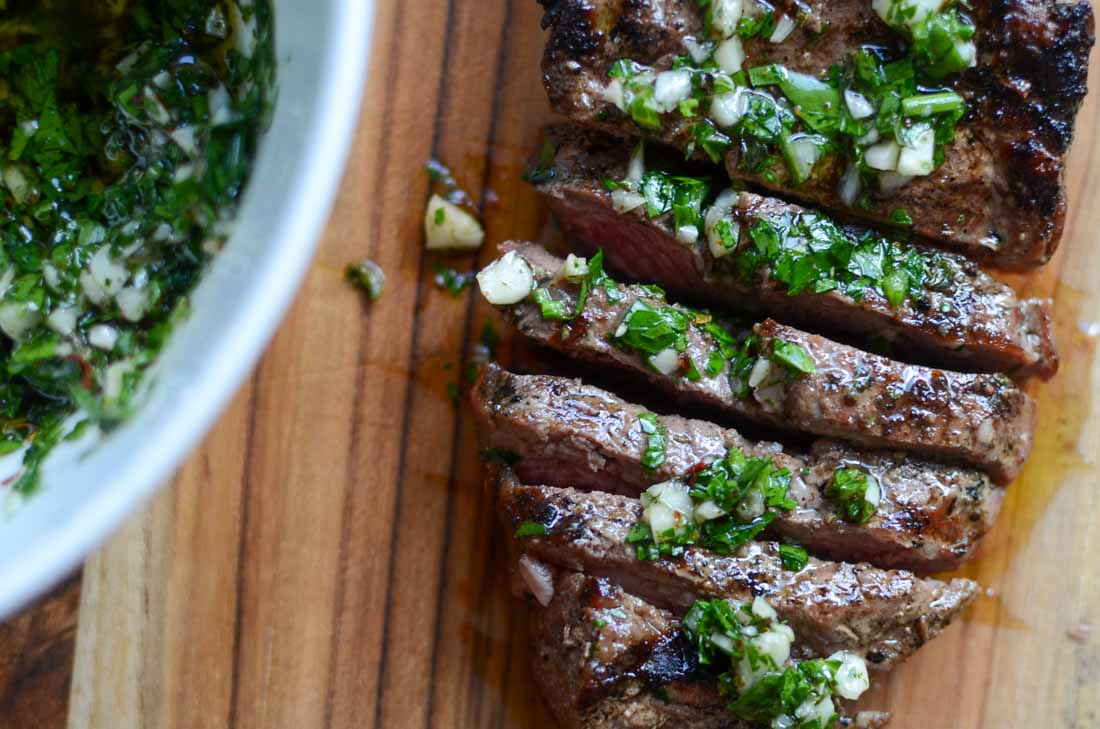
872	401
566	433
605	659
1000	194
973	323
882	615
600	654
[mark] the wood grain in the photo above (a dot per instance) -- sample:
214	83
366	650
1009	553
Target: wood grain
36	660
328	560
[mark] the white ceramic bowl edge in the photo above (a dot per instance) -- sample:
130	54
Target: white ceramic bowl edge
322	48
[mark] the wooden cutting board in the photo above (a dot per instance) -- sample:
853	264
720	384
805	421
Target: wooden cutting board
328	560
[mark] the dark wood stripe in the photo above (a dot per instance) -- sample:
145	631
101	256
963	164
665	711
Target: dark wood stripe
410	386
471	300
363	339
242	547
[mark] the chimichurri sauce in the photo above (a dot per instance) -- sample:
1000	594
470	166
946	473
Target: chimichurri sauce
127	131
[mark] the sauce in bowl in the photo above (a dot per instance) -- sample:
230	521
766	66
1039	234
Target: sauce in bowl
127	132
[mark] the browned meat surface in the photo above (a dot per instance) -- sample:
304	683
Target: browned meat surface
999	196
600	654
566	433
605	659
866	399
882	615
969	320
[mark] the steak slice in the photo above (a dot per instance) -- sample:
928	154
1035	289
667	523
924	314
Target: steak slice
565	433
855	396
882	615
962	318
1000	194
605	659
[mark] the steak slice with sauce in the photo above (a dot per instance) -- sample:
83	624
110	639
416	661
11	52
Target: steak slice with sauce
966	319
606	659
881	615
851	395
1000	194
566	433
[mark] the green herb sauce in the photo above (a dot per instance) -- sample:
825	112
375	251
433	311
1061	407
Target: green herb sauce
127	131
741	495
878	112
748	647
850	490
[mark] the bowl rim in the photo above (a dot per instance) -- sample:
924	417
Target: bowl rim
325	144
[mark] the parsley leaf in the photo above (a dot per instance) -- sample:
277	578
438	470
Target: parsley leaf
849	489
531	529
652	329
656	435
368	277
796	359
452	281
793	556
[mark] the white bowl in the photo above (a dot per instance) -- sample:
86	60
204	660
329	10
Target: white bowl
322	49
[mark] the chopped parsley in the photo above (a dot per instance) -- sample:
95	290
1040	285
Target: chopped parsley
809	252
531	529
660	331
741	643
450	280
793	361
784	120
558	309
638	94
127	132
708	619
598	278
855	493
665	193
367	276
900	216
552	309
682	196
652	329
793	357
656	435
793	557
543	170
938	41
707	137
784	692
732	501
760	26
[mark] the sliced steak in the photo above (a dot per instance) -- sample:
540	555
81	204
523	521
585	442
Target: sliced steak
601	655
855	396
605	659
962	317
882	615
566	433
1000	194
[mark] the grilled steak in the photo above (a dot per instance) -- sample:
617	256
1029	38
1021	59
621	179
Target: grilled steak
961	318
605	659
600	653
837	391
565	433
999	195
882	615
